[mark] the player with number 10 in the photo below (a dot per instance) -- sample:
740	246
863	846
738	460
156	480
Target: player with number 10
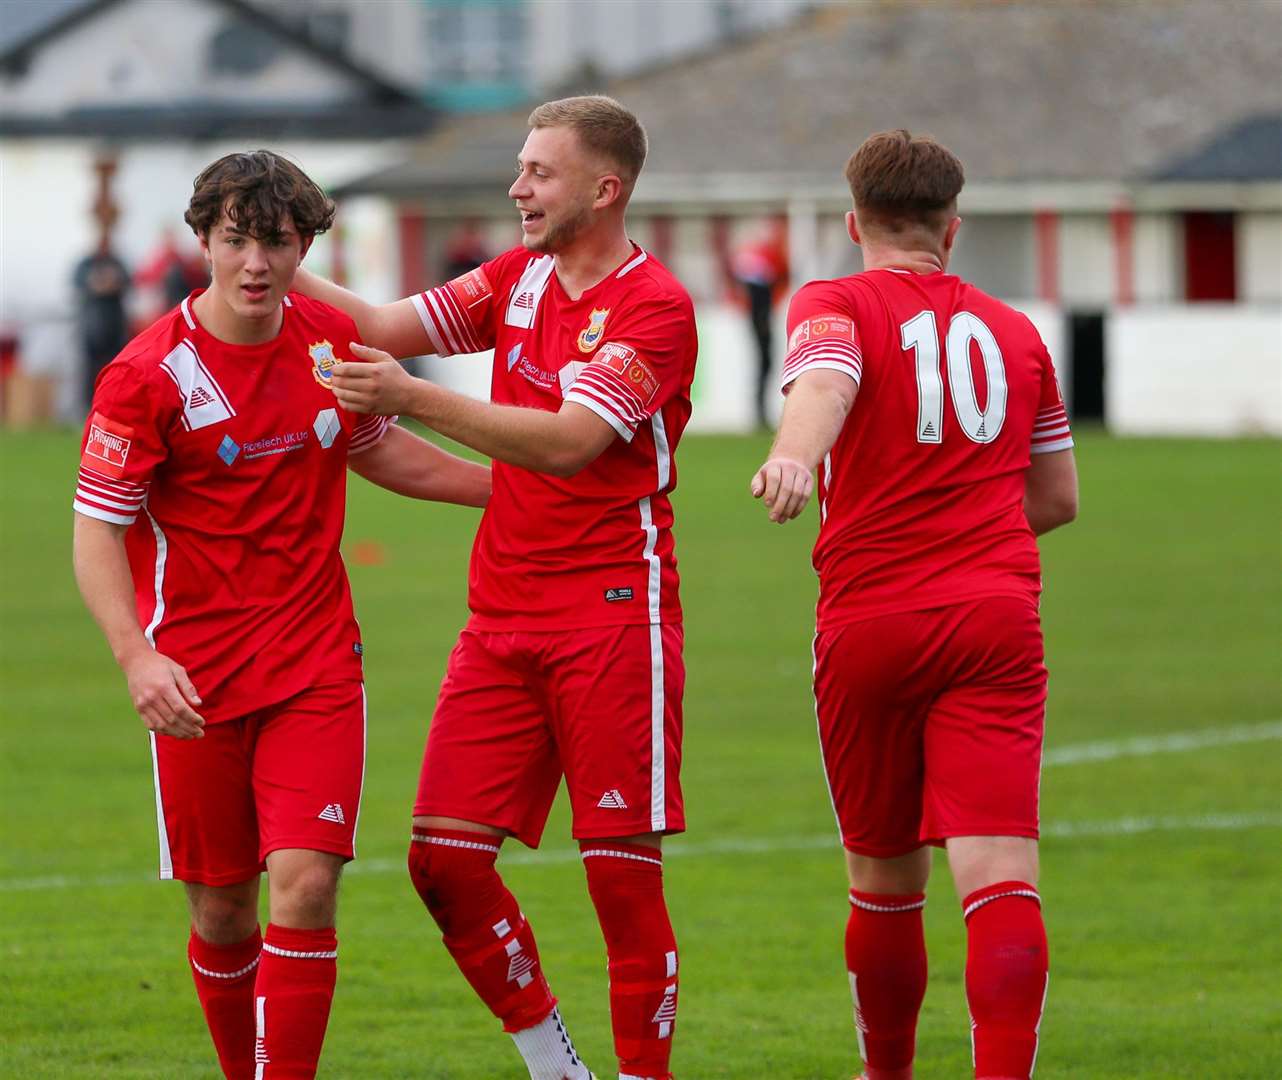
933	416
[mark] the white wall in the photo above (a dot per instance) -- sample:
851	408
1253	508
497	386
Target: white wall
1259	254
1206	369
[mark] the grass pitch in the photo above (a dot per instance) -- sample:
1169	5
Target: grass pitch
1162	871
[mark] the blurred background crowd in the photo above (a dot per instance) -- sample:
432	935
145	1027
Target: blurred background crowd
1124	168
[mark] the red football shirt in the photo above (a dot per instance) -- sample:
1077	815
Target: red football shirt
921	497
593	549
228	462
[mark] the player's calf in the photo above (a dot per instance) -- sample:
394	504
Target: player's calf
1006	977
886	962
491	941
625	881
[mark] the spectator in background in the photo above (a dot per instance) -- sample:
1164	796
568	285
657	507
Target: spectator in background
761	266
101	281
466	250
169	275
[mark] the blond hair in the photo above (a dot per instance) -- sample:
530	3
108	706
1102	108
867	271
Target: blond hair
604	127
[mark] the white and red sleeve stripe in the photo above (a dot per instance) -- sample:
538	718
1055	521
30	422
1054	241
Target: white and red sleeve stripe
1051	431
830	354
368	432
101	497
446	321
604	391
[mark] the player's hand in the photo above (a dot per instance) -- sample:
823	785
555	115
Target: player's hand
380	385
785	486
163	695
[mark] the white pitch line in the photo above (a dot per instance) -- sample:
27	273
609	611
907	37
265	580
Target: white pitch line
1142	746
1129	826
1149	745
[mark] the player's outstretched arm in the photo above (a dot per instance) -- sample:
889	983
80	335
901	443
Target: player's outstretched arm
1050	491
813	415
560	443
159	688
395	328
408	465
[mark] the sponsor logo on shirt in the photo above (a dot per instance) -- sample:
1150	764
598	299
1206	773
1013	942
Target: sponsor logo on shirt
590	335
831	326
108	445
472	288
327	427
276	444
514	354
568	374
613	596
228	450
323	362
635	371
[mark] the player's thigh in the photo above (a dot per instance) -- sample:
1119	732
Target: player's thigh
615	694
309	770
985	730
491	757
871	692
207	824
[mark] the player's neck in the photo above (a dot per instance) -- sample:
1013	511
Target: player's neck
591	258
914	261
217	317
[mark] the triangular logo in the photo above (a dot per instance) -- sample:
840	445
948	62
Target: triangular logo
333	812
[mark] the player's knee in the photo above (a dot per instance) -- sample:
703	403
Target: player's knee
455	877
223	916
307	898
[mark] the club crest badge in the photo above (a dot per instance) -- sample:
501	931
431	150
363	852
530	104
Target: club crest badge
323	362
590	335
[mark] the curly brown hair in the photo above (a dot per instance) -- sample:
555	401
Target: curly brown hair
257	190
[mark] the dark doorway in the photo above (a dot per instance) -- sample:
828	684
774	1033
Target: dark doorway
1086	347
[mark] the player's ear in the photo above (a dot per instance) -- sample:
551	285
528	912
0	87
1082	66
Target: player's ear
950	234
203	239
608	190
304	246
852	228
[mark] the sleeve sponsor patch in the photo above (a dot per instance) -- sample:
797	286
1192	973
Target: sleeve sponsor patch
472	288
107	447
831	326
634	371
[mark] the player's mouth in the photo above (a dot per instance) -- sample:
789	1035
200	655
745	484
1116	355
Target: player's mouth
255	293
530	218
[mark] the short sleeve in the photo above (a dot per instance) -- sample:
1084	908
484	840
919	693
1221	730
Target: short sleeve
1051	431
460	316
822	333
368	433
635	373
124	442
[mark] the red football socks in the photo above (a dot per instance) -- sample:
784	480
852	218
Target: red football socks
1006	977
224	977
626	885
481	923
886	960
292	997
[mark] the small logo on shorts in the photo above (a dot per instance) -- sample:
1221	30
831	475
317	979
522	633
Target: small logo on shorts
612	800
358	648
333	812
613	596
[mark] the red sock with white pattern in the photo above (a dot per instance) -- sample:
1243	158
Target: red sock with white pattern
292	998
224	978
1006	977
886	961
625	882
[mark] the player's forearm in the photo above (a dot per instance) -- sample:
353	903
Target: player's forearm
408	465
530	438
813	415
102	574
395	328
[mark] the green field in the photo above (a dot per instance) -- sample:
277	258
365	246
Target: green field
1162	867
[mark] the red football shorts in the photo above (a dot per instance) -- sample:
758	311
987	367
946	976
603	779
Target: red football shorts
288	776
519	709
930	724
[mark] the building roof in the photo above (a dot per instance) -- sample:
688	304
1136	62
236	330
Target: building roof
1251	150
378	106
1099	92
